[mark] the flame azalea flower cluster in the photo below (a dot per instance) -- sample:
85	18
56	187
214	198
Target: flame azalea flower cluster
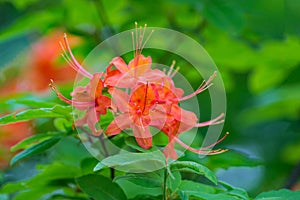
139	97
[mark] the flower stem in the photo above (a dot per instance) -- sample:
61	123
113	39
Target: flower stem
165	193
106	154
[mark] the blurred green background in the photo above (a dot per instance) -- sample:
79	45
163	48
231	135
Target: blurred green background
254	43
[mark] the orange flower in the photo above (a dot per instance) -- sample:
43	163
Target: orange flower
141	98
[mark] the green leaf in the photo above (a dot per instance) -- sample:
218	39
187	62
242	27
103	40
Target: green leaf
140	162
62	124
55	171
30	141
188	188
55	112
12	187
229	159
100	187
174	181
34	150
239	192
282	194
134	191
32	102
150	180
190	166
224	15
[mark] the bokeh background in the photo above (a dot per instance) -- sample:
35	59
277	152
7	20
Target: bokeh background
254	43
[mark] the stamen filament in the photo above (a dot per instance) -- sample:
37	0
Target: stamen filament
211	122
75	62
205	85
68	101
203	151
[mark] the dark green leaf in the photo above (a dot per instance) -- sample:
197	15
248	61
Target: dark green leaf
28	142
224	15
34	150
52	172
100	187
194	167
150	180
229	159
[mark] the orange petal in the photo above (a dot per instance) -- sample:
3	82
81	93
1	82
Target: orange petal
119	63
142	136
120	98
120	123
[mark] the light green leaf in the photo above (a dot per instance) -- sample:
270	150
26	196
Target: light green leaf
100	187
34	150
55	171
190	166
282	194
62	124
239	192
140	162
174	181
188	188
55	112
32	102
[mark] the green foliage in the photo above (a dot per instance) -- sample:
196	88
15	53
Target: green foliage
54	112
280	194
100	187
133	161
35	149
255	45
193	167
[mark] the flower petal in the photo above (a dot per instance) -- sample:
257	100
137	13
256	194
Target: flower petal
120	98
119	63
92	120
120	123
142	136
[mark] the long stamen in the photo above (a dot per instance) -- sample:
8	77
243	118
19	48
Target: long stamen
79	67
174	72
205	85
203	151
68	101
217	142
171	68
136	39
214	121
140	38
150	34
132	36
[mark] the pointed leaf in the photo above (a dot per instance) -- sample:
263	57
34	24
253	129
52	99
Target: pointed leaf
34	150
55	112
194	167
100	187
30	141
279	195
128	161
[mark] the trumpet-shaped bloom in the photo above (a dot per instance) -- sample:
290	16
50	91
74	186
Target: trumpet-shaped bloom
140	98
